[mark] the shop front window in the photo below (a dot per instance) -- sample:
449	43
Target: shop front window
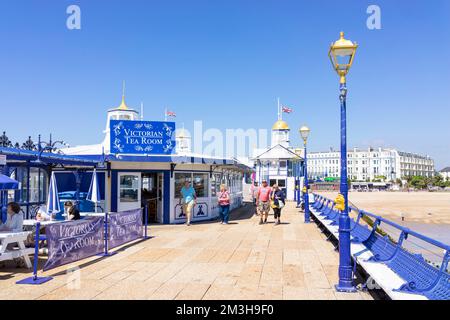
282	183
200	184
129	188
215	184
38	184
180	179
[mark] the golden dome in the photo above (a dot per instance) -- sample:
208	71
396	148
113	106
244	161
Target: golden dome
280	125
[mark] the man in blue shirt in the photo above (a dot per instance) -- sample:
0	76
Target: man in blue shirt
189	197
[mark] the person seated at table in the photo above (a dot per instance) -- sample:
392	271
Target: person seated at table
14	220
72	212
14	223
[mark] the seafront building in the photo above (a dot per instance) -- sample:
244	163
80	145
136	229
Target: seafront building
445	173
370	164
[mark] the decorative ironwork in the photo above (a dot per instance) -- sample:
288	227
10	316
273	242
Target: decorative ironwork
29	144
4	141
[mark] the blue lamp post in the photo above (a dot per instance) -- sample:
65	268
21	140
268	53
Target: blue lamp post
342	53
304	133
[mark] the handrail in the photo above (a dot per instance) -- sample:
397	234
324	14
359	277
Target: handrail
406	230
431	290
410	232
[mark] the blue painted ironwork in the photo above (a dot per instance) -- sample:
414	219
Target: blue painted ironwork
4	141
43	146
306	195
106	253
420	276
345	261
35	279
29	144
325	207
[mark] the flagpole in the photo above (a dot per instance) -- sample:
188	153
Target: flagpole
279	113
142	111
165	114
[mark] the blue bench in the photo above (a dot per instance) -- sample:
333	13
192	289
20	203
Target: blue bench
419	277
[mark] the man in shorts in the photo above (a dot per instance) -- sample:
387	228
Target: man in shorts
263	200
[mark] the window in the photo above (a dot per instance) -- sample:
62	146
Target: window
282	183
200	184
180	179
283	164
215	184
129	188
38	184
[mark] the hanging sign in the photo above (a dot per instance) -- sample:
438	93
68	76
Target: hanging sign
142	137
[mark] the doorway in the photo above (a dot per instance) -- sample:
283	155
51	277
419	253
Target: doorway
152	195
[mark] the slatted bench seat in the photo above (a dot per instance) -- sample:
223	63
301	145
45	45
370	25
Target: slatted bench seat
380	273
406	274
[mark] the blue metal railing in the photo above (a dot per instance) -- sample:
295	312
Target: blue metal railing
420	276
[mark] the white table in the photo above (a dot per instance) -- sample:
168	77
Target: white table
88	214
7	238
33	222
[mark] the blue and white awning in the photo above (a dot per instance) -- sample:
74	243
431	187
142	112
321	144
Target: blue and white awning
53	205
94	190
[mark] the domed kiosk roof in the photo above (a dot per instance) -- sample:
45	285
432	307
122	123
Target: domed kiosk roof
280	125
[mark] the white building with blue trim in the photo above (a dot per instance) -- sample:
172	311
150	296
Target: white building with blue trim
280	163
139	163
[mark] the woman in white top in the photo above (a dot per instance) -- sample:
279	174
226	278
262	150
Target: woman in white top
14	221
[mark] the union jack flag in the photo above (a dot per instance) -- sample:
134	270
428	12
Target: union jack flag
286	109
171	114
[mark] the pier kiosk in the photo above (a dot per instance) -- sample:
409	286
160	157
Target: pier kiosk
143	166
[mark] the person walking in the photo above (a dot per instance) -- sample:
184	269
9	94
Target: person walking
277	201
189	197
254	189
263	200
224	204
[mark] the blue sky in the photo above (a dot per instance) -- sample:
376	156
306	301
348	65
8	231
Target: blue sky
226	62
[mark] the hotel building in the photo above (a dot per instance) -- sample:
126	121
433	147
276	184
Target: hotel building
370	164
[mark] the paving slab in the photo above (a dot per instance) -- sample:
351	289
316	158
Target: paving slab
243	260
